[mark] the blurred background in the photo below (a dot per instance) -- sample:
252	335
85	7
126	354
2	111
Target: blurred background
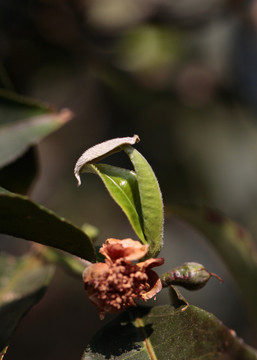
180	74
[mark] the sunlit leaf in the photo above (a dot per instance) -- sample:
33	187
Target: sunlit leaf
150	200
137	193
166	333
101	151
24	123
21	217
122	186
233	243
23	282
2	353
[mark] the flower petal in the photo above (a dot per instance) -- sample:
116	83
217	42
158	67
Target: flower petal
113	286
127	248
155	285
94	271
153	279
150	263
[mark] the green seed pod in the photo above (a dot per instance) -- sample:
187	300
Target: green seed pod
191	275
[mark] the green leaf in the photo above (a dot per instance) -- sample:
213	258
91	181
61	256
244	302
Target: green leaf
21	217
23	282
23	123
91	231
122	186
3	352
233	243
69	263
150	200
14	107
177	299
163	333
138	194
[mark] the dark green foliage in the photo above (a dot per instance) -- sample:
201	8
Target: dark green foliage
23	282
21	217
163	332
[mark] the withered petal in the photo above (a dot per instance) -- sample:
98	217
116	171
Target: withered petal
93	271
153	279
113	286
150	263
155	285
127	248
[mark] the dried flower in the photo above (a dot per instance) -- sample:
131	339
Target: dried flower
115	284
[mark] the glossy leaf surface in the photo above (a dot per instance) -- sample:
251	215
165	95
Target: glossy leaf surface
138	195
23	282
23	123
163	333
21	217
233	243
122	186
150	199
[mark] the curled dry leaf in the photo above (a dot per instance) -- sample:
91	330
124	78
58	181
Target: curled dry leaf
100	151
114	285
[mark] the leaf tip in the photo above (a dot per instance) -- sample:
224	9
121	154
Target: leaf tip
136	138
76	173
65	115
100	151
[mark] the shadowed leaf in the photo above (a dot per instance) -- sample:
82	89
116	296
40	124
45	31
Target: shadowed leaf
177	299
23	123
21	217
23	282
71	264
164	333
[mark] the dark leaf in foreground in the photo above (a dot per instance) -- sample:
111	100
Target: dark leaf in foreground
165	333
23	282
21	217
